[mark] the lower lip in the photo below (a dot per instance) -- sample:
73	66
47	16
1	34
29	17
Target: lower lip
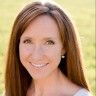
39	66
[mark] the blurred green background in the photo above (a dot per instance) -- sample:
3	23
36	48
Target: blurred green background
82	12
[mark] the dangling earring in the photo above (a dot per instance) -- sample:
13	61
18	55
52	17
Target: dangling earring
62	56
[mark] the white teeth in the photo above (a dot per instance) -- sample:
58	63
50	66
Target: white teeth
38	65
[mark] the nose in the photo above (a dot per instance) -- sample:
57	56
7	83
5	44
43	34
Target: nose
37	53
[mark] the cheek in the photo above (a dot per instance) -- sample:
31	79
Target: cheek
23	54
55	55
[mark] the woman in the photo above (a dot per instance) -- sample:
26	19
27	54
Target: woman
44	57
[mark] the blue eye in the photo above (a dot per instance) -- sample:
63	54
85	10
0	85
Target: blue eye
27	41
50	42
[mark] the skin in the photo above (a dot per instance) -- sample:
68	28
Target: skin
40	45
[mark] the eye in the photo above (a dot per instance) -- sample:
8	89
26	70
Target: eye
27	41
50	42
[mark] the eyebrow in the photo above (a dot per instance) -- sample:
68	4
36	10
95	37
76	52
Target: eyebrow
48	38
45	38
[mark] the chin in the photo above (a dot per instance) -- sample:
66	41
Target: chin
39	76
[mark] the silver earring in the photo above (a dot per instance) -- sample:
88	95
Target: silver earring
62	56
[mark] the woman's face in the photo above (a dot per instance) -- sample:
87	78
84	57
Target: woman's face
40	47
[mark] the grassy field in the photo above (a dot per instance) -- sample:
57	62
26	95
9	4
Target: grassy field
82	11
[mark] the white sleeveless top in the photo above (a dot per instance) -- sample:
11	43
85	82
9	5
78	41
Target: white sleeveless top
82	92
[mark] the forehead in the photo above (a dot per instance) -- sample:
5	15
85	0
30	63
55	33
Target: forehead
42	26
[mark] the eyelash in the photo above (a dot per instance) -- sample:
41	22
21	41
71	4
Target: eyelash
50	42
27	41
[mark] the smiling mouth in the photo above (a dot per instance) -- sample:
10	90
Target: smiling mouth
38	65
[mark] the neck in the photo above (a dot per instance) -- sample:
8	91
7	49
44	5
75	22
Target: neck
46	85
53	85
